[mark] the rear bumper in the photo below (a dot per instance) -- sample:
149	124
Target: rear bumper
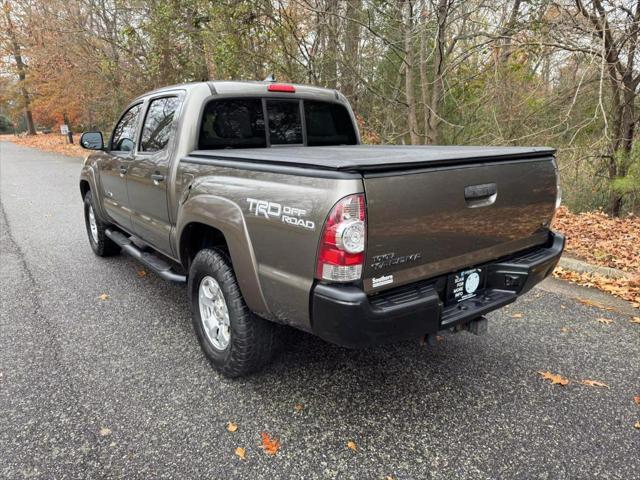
346	316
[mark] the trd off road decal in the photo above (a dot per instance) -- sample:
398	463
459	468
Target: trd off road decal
286	214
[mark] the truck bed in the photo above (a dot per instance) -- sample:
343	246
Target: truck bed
373	158
478	205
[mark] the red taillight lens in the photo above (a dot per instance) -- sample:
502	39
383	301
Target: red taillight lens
341	253
280	87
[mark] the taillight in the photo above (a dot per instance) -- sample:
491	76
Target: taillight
341	252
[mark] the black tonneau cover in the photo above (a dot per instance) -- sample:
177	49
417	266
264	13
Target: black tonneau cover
367	158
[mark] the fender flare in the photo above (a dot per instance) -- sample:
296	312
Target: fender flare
88	174
227	217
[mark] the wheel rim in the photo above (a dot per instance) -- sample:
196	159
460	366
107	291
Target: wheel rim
93	225
214	313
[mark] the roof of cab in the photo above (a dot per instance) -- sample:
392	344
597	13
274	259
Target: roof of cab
238	87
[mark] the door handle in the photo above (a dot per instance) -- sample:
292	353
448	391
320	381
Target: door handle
480	195
157	178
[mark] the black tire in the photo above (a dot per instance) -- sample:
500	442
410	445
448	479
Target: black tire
102	245
251	340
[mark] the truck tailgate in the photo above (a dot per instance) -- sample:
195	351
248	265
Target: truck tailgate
423	223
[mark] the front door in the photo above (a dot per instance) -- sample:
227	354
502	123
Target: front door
115	165
148	174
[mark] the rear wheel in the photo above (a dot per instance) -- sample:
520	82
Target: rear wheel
101	245
235	341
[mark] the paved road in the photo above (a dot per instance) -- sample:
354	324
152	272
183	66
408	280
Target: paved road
119	388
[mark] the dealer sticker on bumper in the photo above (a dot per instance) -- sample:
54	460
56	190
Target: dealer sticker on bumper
380	281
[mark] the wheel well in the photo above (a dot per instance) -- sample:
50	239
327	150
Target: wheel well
84	187
197	236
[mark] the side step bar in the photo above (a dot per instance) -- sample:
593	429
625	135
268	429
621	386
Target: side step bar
155	263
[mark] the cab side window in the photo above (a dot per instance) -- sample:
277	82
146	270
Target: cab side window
124	135
156	130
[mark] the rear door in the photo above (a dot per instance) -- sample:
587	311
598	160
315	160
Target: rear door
115	165
149	171
424	223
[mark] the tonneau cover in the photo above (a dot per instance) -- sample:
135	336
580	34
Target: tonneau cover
363	158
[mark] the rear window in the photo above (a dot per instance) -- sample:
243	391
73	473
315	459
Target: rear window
285	126
232	124
328	124
240	123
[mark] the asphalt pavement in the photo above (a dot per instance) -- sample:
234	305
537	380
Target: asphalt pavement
118	388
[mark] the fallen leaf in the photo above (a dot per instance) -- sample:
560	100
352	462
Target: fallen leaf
352	445
112	444
517	315
105	432
241	452
566	330
232	427
637	425
103	296
637	399
555	379
298	407
142	273
439	338
604	321
593	303
635	320
594	383
269	445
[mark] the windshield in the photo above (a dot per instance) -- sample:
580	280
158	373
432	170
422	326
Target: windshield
261	123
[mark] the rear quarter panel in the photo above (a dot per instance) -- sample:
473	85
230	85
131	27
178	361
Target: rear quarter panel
275	262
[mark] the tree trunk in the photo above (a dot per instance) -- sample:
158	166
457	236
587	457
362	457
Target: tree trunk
350	60
432	132
424	79
408	78
622	140
508	32
22	70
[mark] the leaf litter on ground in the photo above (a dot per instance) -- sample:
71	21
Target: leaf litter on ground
555	379
269	445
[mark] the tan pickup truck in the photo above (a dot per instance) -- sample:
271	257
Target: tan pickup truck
260	196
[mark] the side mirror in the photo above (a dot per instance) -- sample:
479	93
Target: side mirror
92	141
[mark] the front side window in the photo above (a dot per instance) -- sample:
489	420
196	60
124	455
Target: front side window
156	130
124	135
285	126
237	123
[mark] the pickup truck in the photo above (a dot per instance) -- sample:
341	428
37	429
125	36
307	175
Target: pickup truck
261	198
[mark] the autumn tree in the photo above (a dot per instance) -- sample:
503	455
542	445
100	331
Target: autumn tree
10	42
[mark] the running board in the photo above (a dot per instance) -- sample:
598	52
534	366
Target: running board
155	263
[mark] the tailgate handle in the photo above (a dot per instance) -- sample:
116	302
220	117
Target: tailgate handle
480	195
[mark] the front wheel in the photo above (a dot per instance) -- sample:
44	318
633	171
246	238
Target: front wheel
235	341
101	245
